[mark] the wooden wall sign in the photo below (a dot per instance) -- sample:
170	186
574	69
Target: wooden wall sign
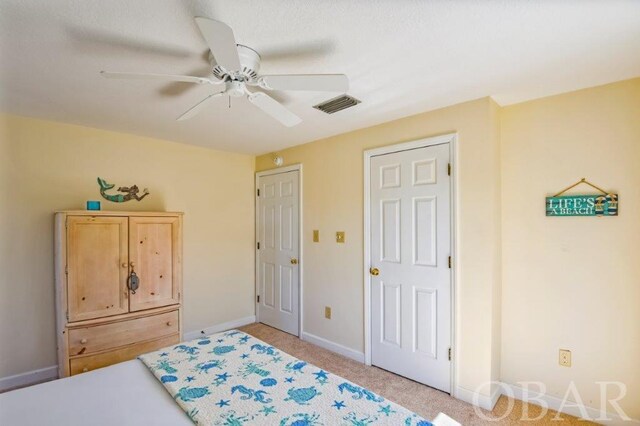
603	204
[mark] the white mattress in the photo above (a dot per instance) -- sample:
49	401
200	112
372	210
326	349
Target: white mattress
121	394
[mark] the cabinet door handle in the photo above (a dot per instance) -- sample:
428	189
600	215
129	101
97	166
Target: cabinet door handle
169	323
84	370
83	341
133	282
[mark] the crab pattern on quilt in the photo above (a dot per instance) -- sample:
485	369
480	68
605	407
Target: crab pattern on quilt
232	378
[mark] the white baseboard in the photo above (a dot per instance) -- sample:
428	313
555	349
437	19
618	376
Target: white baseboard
29	378
190	335
555	404
333	347
476	398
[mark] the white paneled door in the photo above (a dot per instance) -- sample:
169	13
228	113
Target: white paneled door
410	274
278	251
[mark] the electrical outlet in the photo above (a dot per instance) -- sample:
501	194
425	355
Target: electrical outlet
565	358
340	237
316	236
327	312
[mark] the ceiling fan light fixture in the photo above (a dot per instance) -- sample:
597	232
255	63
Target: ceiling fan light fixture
236	66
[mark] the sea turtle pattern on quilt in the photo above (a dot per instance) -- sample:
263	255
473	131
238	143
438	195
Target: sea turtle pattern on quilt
232	378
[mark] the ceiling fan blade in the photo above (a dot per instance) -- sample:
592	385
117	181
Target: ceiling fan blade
198	107
312	82
165	77
274	108
220	39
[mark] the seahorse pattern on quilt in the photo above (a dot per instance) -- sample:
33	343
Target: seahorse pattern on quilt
232	378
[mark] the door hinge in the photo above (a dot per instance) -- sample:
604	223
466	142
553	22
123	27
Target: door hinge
449	354
258	298
258	245
449	169
258	192
449	262
67	315
66	269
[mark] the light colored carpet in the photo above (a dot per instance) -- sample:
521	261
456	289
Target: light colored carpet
418	398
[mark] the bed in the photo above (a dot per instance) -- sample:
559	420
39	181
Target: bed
226	378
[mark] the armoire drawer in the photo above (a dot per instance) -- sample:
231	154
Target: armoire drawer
92	362
98	338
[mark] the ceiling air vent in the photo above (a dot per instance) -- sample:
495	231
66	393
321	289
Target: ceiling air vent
337	104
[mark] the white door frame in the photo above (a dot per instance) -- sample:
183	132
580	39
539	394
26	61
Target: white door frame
368	154
270	172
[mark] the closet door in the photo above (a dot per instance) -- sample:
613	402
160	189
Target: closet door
154	254
96	266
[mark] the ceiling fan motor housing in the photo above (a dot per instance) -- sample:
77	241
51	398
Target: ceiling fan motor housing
249	64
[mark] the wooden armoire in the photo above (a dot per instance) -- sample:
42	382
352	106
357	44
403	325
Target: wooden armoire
100	256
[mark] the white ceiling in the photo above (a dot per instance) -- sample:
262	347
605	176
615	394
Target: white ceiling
402	57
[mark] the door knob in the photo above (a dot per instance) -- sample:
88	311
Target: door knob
374	271
294	261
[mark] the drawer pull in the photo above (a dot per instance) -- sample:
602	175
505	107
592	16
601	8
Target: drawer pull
83	341
169	323
84	370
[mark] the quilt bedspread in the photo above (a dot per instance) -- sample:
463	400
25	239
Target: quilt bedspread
232	378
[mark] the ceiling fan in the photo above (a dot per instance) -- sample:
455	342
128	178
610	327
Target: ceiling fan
235	68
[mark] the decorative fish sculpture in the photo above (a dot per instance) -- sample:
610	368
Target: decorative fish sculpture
128	192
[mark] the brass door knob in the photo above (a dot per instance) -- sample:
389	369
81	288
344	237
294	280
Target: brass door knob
294	261
374	271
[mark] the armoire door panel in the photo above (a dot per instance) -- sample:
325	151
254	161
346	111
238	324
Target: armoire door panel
153	255
97	258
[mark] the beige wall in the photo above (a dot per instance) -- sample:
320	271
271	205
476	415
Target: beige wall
566	282
572	283
333	201
47	166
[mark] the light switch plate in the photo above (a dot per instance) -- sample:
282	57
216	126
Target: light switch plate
340	237
327	312
316	236
565	358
